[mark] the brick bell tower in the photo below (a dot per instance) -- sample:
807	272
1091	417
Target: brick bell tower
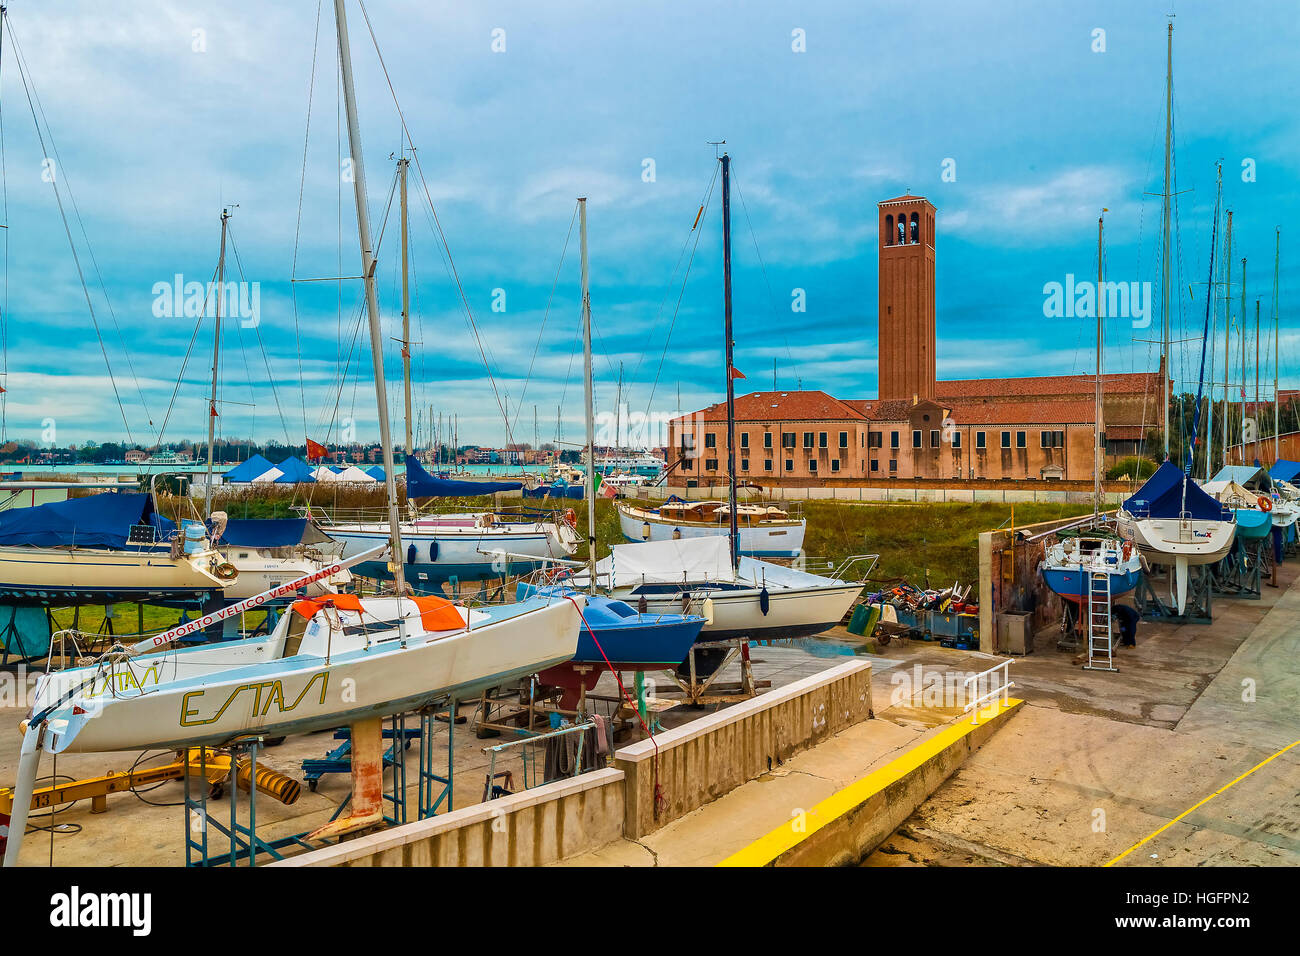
906	319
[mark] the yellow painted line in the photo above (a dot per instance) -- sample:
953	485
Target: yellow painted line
1202	803
770	846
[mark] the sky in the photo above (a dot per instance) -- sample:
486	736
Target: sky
1018	120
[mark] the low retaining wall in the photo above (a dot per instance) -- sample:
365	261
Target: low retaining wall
532	828
847	826
703	760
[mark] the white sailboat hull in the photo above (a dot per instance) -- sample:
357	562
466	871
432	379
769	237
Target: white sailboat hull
1178	543
259	572
243	688
794	612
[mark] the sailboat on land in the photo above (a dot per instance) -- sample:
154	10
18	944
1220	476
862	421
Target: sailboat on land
465	546
335	659
1085	558
740	596
1172	521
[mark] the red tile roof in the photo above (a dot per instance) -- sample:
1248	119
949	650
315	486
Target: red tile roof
1120	382
1003	412
788	406
908	198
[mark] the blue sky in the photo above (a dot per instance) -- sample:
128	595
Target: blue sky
153	137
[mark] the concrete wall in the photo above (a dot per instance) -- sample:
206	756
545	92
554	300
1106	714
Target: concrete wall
699	762
847	826
532	828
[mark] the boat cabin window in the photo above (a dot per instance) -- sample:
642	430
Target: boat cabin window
297	627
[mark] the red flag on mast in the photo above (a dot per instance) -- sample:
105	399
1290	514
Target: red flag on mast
315	450
736	373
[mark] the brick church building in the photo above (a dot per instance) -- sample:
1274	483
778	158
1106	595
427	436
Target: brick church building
1039	427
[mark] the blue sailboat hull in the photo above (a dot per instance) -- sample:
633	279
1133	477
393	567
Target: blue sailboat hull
1072	583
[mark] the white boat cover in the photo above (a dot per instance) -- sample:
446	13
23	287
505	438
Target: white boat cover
694	560
274	474
1231	493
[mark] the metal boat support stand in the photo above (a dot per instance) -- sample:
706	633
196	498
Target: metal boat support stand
1200	593
244	844
1241	572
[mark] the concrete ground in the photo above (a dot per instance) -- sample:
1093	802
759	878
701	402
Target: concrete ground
1096	762
136	833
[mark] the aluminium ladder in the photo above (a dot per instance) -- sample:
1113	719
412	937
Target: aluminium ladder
1100	633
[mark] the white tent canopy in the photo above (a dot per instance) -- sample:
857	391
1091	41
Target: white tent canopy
274	474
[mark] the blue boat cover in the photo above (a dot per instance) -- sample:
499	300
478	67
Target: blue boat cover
555	491
264	532
294	472
1248	476
421	484
376	472
248	470
1162	497
95	521
1285	470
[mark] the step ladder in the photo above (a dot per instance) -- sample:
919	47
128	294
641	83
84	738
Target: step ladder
1100	634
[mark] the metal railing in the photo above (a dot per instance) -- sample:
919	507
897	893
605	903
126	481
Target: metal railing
530	759
972	686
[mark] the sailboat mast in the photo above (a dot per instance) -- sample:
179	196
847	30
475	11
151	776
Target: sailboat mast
368	264
1097	457
1227	340
1164	252
731	382
1277	347
588	394
216	362
402	165
1241	335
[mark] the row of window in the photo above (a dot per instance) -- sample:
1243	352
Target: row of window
711	464
1046	438
788	440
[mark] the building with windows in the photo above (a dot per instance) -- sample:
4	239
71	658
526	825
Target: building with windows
1038	427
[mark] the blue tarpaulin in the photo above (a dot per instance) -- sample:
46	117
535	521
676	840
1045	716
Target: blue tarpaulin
1285	470
294	472
264	532
96	521
1248	476
421	484
375	472
555	491
1162	497
248	470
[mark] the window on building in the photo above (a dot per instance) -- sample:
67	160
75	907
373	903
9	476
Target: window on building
1058	439
916	438
835	464
821	439
934	438
812	466
767	439
893	464
1020	439
807	439
893	439
688	442
789	464
688	464
875	465
1045	439
744	439
710	464
844	439
956	439
767	464
744	464
787	439
875	439
979	440
710	440
1006	439
916	228
889	230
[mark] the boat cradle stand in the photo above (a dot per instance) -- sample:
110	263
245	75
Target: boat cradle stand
701	691
1200	593
1242	571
